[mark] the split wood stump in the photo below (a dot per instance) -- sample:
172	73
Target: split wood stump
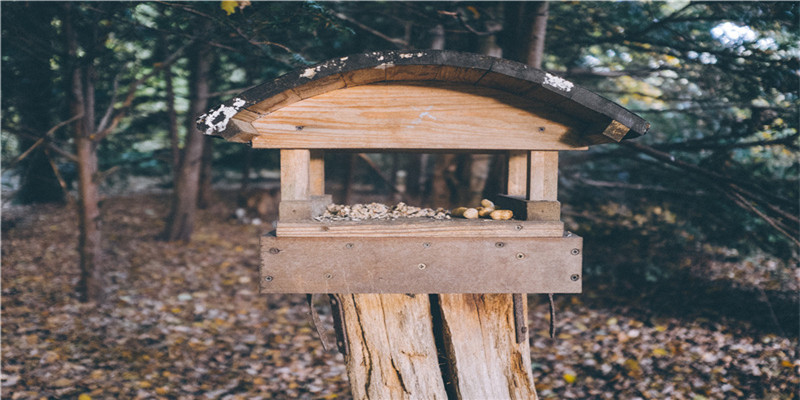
425	309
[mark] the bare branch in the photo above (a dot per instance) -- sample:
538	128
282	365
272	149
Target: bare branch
61	181
110	109
126	105
397	42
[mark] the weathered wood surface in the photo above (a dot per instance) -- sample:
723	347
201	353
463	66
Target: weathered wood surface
392	351
531	210
537	86
317	173
420	265
295	178
303	210
417	115
518	172
543	178
480	343
419	227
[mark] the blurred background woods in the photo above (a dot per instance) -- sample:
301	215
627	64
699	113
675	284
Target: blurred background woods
100	99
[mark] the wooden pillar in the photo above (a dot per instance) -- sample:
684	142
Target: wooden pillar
543	182
295	171
317	173
392	351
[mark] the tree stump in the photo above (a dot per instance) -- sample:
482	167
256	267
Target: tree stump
434	347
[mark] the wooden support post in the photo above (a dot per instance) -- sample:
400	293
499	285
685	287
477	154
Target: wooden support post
543	182
295	169
518	173
317	173
484	360
392	350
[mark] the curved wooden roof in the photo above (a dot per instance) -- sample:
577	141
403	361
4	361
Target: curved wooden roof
496	93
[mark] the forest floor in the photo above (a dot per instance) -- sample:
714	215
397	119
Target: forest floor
185	321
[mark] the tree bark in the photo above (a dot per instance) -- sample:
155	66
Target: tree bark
90	287
205	192
180	222
538	31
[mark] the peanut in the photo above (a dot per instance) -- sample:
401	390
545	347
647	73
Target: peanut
484	212
501	214
486	203
470	213
458	211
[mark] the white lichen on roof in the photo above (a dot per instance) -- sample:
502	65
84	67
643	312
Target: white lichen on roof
224	112
412	55
308	73
558	82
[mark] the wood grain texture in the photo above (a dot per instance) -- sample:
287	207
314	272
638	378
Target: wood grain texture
480	344
317	173
419	115
543	183
392	350
420	265
518	172
414	227
572	101
530	210
295	179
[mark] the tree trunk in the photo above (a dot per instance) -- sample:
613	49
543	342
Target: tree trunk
172	117
90	287
538	31
206	193
180	222
460	346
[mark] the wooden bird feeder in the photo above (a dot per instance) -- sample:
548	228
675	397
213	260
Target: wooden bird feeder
425	101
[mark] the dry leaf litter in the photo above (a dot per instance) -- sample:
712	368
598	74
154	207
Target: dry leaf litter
185	321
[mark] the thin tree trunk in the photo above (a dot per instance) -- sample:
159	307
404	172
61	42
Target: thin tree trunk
206	193
180	222
90	286
172	116
538	31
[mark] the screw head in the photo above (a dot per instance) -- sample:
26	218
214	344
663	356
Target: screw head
328	276
422	266
348	246
268	278
518	227
274	250
426	245
574	277
575	252
499	244
520	256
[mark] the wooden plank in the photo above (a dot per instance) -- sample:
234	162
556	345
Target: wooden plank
518	172
405	115
317	173
295	174
392	351
543	183
412	72
538	87
480	344
323	85
273	103
420	265
530	210
416	227
303	210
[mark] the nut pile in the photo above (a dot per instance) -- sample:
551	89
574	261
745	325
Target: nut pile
486	210
360	212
